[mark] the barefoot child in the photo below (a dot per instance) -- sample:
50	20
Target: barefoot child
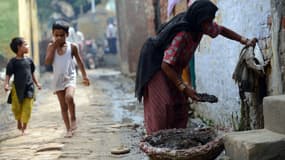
60	54
22	92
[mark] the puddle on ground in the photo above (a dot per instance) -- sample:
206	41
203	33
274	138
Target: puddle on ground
122	115
125	108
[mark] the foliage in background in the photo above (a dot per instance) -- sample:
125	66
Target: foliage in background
8	26
45	11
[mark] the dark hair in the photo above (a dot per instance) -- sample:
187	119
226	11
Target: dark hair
198	12
15	43
60	25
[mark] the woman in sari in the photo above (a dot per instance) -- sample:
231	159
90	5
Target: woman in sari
165	96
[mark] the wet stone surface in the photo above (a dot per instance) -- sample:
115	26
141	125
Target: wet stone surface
123	106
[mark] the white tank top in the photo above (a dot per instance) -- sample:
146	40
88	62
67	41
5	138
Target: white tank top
64	70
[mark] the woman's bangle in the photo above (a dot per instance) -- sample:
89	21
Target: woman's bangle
243	40
181	87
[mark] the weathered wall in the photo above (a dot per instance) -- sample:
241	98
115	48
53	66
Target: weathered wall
163	11
277	78
216	58
135	23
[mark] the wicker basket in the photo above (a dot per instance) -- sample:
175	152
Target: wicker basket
211	147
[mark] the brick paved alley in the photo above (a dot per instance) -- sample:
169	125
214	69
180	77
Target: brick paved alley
105	120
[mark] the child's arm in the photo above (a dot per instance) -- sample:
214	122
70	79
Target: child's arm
36	82
50	53
80	64
6	83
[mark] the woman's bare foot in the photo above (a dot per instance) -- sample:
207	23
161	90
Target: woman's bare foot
68	134
19	125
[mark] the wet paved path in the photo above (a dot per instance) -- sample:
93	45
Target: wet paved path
107	117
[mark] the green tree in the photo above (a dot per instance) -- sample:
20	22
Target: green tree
45	11
8	26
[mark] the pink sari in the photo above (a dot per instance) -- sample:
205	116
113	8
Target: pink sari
164	106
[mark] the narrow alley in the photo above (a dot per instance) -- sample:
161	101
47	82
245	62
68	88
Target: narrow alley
98	132
156	79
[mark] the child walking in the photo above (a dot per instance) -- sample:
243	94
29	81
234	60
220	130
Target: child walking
60	54
22	92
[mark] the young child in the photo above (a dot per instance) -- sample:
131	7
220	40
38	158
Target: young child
60	54
22	92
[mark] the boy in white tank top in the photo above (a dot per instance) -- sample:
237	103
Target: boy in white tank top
60	54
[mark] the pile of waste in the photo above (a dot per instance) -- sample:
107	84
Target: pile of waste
183	144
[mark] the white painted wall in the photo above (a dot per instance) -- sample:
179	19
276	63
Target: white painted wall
216	58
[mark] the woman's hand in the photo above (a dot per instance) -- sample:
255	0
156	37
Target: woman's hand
189	92
248	42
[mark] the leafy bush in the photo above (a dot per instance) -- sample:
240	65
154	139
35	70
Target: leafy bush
8	25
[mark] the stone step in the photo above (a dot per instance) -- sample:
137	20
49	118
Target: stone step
255	145
274	113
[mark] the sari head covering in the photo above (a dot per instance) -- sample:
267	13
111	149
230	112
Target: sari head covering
198	12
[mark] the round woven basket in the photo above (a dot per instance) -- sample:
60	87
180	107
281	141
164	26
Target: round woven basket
211	147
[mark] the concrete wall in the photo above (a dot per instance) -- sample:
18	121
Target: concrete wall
216	58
